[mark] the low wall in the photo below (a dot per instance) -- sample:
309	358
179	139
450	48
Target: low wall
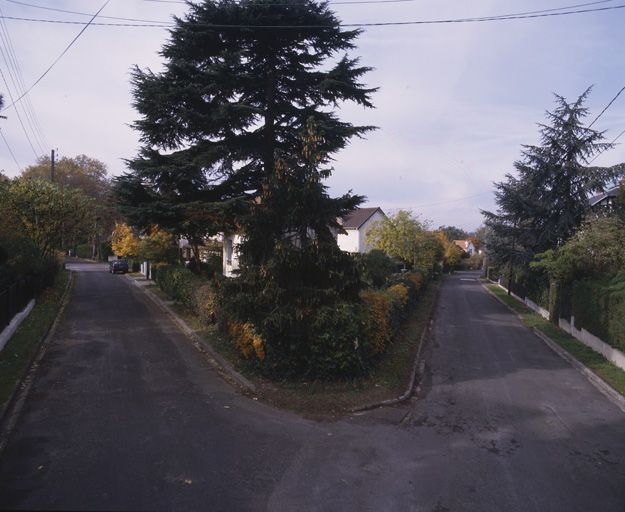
529	303
10	329
612	354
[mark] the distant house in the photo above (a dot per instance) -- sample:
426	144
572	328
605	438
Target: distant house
357	224
605	200
466	246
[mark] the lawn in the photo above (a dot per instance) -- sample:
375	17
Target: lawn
609	372
22	346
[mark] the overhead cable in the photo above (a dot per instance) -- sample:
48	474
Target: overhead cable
60	56
503	17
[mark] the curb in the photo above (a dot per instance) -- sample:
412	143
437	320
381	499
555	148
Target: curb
10	412
608	391
417	368
224	368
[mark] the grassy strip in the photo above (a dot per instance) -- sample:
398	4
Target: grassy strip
609	372
319	398
20	349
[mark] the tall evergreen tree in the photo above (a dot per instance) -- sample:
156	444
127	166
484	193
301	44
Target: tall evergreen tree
240	82
543	205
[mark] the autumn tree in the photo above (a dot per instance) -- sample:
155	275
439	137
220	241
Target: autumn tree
89	176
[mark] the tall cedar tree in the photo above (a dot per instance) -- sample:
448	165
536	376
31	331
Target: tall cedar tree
241	81
543	206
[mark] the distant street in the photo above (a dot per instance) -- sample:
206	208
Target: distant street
125	414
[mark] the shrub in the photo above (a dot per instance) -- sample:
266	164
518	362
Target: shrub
84	251
377	324
401	291
246	340
598	306
376	267
177	282
205	304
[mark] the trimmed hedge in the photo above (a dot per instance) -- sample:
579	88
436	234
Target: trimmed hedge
599	307
387	309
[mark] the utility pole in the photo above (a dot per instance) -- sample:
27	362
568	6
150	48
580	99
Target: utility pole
52	166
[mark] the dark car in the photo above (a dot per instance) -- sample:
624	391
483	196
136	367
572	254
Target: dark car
118	266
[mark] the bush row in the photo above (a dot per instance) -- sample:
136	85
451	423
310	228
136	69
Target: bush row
335	340
187	288
599	307
387	308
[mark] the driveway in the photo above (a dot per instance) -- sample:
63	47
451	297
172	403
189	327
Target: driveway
124	414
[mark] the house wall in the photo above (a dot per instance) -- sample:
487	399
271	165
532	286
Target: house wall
363	246
230	253
349	242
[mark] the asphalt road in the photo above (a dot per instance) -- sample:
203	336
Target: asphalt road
124	414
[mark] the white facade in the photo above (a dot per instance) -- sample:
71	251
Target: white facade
231	242
355	240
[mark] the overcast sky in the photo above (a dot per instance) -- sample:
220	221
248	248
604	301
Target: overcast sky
455	104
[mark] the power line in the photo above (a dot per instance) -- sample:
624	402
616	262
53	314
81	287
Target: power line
456	200
350	25
19	117
19	167
87	13
18	84
289	5
607	106
60	56
610	144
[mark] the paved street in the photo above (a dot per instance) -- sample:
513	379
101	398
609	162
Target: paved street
125	414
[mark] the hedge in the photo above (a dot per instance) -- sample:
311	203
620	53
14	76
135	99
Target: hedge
599	307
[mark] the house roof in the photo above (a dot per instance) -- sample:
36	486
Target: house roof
463	244
358	217
611	192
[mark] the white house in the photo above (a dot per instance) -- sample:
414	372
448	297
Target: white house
467	246
356	225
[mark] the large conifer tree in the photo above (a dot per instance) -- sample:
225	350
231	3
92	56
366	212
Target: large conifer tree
542	206
240	83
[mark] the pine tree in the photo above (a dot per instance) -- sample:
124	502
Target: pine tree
543	205
240	82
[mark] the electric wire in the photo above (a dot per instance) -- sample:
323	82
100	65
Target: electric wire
346	25
55	9
19	117
6	142
15	79
4	29
607	106
90	22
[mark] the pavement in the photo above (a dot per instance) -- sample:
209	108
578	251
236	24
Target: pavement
125	414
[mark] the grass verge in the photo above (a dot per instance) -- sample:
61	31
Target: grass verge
19	351
331	399
609	372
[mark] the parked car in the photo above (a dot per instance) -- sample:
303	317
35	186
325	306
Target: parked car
118	266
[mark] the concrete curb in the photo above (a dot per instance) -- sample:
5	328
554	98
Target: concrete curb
417	368
11	409
608	391
224	368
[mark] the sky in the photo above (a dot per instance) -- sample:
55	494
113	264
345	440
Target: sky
456	102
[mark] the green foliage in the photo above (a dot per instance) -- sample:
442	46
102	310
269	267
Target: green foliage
597	248
178	282
44	213
544	204
376	267
229	105
598	306
453	233
405	237
84	251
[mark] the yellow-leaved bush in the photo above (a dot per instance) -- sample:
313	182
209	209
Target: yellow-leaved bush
246	340
378	323
401	291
